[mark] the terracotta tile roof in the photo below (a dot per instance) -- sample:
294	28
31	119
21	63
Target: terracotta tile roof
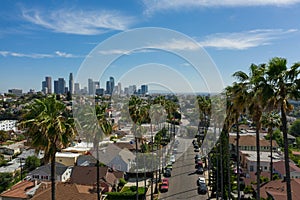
296	153
252	177
277	189
250	140
19	190
280	167
66	191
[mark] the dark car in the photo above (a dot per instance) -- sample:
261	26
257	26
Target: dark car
200	170
202	188
167	173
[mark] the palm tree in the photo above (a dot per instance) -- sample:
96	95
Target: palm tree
49	128
271	121
286	85
238	95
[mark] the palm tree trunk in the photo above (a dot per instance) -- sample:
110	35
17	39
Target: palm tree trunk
221	163
286	154
271	155
98	176
258	163
228	168
238	156
137	174
53	176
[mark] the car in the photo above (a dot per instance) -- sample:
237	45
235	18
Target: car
167	173
164	187
196	149
197	156
200	180
169	166
199	163
202	188
200	170
172	158
175	150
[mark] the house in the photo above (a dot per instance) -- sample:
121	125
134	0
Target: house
20	191
66	158
43	173
88	176
86	160
248	143
117	156
279	168
277	189
65	191
249	160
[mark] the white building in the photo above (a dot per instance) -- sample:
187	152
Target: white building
7	125
249	160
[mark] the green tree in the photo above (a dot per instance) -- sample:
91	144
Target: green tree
31	163
286	85
294	129
50	128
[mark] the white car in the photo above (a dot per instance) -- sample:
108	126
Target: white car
172	158
200	180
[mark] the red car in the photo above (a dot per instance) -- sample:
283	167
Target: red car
164	187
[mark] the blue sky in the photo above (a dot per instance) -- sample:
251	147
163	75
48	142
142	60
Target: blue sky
54	38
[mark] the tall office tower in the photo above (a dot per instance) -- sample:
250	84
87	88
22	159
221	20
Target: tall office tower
112	84
48	80
144	89
91	88
71	83
44	87
59	86
108	87
47	85
119	88
132	89
96	85
76	88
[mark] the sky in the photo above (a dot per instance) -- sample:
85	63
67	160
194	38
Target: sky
182	46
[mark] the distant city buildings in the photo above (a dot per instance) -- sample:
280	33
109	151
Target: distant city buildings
7	125
17	92
93	87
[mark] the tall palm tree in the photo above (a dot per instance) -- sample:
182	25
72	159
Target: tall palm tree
238	95
271	121
286	85
50	128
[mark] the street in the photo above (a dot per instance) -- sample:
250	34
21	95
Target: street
182	183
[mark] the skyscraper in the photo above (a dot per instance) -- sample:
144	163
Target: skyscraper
47	85
144	89
112	84
71	83
91	88
59	86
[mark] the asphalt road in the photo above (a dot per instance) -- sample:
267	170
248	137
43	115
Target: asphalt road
182	183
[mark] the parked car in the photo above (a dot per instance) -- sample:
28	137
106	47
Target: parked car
196	149
200	170
172	158
169	166
202	188
167	173
200	180
197	156
164	187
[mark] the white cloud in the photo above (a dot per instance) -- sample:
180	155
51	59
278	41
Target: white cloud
244	40
230	41
78	22
154	5
63	54
36	55
174	44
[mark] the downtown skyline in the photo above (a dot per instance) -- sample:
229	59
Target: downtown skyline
53	38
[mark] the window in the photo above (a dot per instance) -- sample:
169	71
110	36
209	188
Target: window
266	168
251	168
